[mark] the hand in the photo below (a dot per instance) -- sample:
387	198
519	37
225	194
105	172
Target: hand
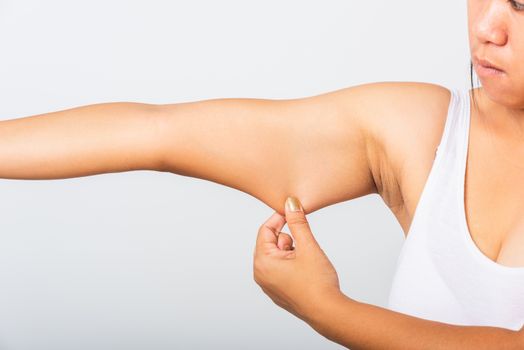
295	278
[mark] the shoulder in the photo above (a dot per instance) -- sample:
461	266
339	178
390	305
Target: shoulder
404	122
392	109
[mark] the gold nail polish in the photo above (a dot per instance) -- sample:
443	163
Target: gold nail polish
293	204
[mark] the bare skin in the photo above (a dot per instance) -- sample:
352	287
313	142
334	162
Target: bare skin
378	138
339	159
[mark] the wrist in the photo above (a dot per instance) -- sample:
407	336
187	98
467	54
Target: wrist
318	311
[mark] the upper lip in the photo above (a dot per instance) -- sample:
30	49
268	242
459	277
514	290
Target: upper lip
486	63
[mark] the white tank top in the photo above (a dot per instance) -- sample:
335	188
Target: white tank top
441	274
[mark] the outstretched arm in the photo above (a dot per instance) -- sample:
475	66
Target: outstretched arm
316	147
81	141
324	149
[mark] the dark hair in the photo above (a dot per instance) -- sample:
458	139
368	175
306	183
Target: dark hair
471	80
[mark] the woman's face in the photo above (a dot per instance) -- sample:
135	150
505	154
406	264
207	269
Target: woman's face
496	34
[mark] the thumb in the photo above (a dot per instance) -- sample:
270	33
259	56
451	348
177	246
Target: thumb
298	224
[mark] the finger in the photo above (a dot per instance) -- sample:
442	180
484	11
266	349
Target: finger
285	241
275	223
267	233
298	223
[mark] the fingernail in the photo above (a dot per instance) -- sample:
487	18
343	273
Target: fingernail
293	204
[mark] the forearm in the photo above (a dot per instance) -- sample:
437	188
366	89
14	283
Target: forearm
364	326
81	141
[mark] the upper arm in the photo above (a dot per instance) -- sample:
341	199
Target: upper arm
323	149
402	122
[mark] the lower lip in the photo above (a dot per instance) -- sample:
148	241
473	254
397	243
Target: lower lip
488	72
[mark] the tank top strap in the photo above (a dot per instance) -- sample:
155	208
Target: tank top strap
443	182
456	126
463	131
450	157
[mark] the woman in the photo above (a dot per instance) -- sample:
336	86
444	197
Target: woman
373	138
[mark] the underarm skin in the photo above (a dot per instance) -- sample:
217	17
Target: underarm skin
81	141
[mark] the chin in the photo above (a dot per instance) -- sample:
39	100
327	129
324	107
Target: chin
501	94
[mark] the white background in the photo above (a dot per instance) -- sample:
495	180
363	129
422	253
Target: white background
131	260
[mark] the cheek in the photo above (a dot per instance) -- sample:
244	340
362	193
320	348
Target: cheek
471	30
516	70
520	89
470	11
518	54
473	12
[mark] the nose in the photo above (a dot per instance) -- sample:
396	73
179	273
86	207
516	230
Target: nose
490	23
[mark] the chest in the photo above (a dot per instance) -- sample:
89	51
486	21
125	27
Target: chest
493	198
